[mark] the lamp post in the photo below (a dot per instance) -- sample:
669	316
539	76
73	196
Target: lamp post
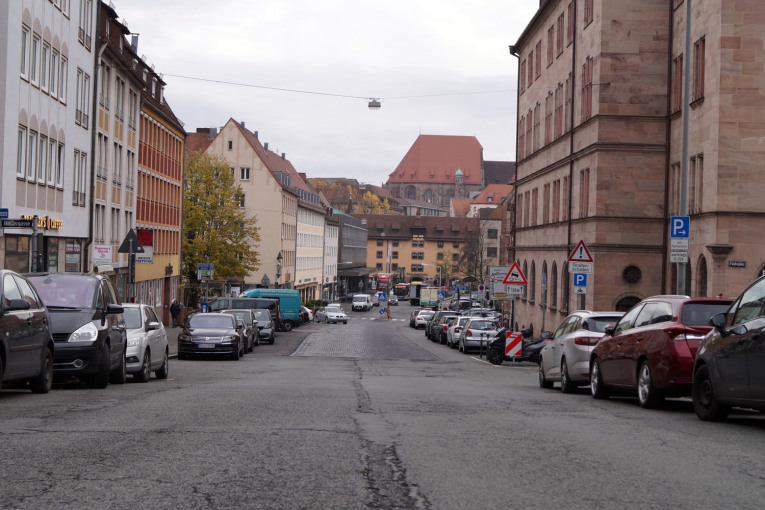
278	268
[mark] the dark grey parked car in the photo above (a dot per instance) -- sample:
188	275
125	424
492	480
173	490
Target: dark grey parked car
247	315
26	344
88	329
210	333
728	370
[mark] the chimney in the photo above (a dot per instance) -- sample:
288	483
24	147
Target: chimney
303	176
134	41
213	133
265	145
242	124
203	130
256	134
283	154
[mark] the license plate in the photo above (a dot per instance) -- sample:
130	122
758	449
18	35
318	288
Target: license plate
206	346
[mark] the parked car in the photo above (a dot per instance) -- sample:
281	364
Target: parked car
250	331
477	332
26	342
452	334
361	302
147	349
88	329
273	305
375	299
439	329
266	326
392	299
422	318
429	327
729	366
652	348
210	333
566	357
306	315
331	313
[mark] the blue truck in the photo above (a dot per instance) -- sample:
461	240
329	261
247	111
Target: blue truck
289	304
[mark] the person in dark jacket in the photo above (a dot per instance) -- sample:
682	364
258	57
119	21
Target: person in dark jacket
175	311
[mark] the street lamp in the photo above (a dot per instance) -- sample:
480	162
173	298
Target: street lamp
278	268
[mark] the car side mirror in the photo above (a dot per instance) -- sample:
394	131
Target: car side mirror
546	335
718	320
609	330
112	308
17	304
151	326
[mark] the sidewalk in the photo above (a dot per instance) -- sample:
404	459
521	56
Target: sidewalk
172	340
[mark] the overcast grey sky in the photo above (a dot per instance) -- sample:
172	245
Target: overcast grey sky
428	62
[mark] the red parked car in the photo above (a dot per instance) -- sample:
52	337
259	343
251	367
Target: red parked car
651	350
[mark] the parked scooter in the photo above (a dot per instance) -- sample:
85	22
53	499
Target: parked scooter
530	349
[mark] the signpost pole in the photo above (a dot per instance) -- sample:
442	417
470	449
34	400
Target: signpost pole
34	244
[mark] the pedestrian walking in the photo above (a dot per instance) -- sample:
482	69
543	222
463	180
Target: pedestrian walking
175	311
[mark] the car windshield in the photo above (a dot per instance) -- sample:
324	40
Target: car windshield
66	291
482	325
132	317
333	309
359	298
426	314
262	315
598	324
698	314
241	314
210	321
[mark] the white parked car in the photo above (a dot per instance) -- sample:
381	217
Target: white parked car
566	356
331	313
422	318
478	332
453	333
147	349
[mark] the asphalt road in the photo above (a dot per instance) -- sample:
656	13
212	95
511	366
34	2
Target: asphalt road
366	415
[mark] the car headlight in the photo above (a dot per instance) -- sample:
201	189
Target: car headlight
184	338
133	341
85	333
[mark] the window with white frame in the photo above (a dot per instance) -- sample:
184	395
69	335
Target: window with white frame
83	95
62	76
34	59
44	63
86	11
53	79
51	166
31	155
24	51
60	155
42	158
21	152
244	173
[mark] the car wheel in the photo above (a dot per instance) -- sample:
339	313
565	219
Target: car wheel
543	382
182	356
326	320
101	379
597	387
252	345
287	325
43	382
257	341
235	354
119	374
648	396
164	370
145	373
273	338
706	405
566	386
345	322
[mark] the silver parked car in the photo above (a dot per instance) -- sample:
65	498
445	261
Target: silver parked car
452	334
476	332
331	313
147	349
566	356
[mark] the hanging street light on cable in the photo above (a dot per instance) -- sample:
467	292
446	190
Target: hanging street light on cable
374	104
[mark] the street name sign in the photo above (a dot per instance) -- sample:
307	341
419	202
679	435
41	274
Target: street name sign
18	223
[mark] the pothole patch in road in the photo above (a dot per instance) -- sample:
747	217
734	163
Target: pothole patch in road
20	425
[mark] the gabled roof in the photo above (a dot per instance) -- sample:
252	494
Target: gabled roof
498	172
436	158
493	194
460	207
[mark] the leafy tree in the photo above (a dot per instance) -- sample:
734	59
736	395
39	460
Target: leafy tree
473	256
371	204
215	228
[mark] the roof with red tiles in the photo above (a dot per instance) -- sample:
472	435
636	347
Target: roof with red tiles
493	194
198	141
460	207
436	158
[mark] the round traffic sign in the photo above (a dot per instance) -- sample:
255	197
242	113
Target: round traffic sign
382	311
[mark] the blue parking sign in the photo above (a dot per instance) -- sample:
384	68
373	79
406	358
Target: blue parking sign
580	279
680	226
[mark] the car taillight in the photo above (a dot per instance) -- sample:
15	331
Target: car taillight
446	328
586	340
468	333
457	330
676	333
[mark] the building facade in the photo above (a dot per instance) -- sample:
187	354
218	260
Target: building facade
46	131
599	151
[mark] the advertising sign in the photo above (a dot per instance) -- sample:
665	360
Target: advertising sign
146	239
102	254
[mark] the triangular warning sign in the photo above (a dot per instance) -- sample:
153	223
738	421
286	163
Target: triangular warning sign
580	254
131	244
515	276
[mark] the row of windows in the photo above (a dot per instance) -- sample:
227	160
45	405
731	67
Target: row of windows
289	231
554	202
695	186
310	218
42	65
39	158
309	263
310	240
697	75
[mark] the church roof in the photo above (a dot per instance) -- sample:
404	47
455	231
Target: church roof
437	158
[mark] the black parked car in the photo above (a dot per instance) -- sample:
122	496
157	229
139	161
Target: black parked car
26	343
266	326
728	370
210	333
88	328
250	326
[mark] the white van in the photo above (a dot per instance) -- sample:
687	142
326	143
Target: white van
361	302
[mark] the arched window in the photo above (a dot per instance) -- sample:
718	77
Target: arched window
543	297
564	290
411	192
554	286
701	278
428	196
532	282
627	302
525	294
